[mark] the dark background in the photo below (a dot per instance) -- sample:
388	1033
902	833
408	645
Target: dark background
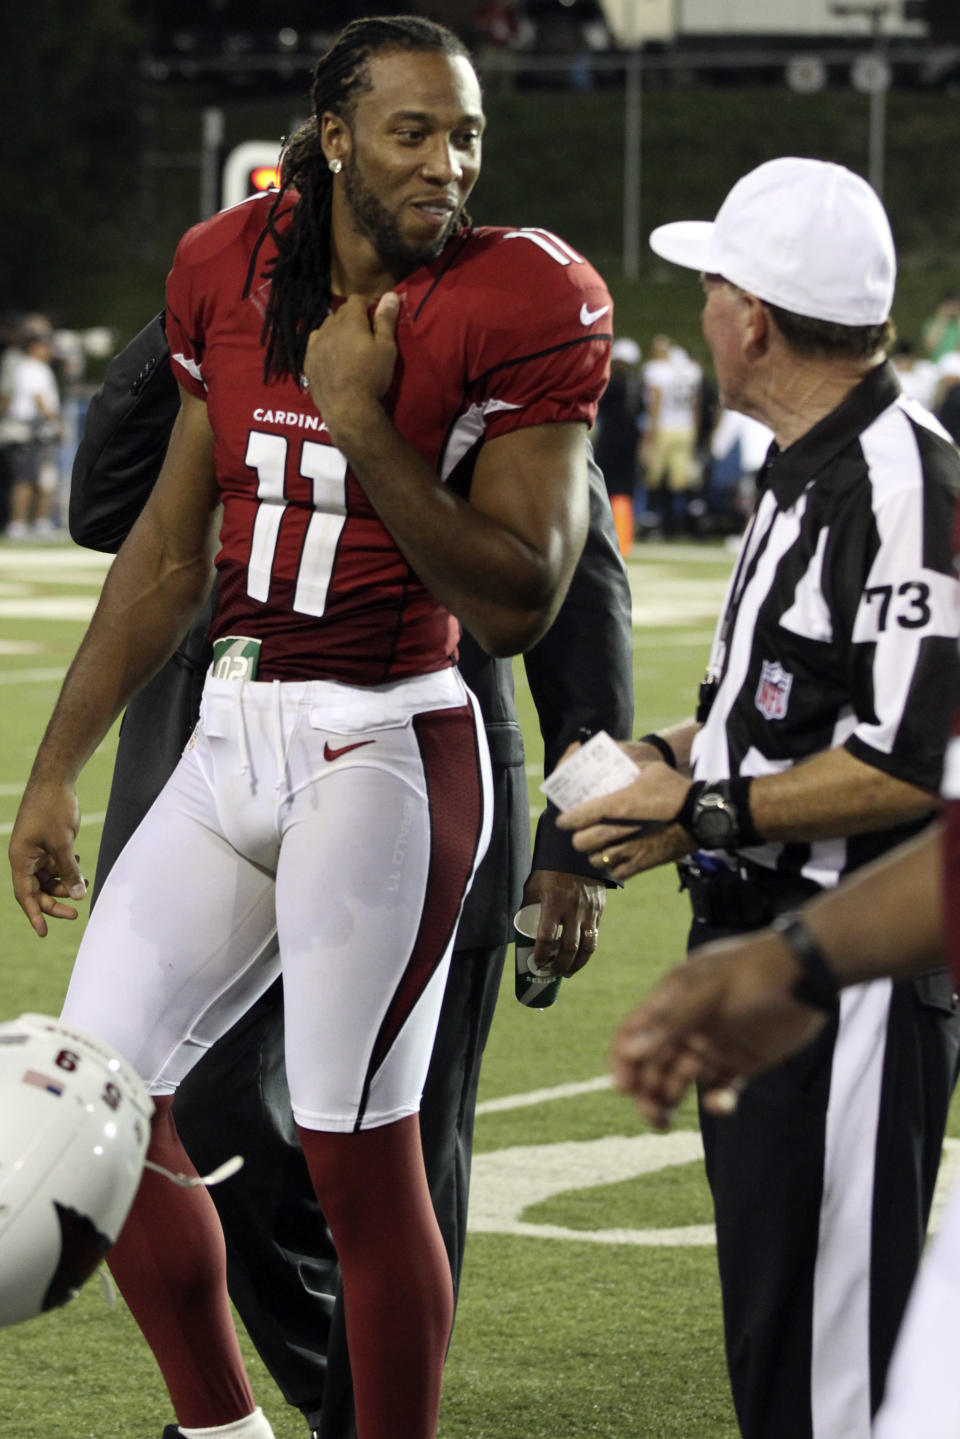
102	105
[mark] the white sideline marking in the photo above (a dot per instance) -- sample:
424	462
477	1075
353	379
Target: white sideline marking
48	607
538	1096
661	597
693	639
654	552
61	565
53	557
32	677
505	1182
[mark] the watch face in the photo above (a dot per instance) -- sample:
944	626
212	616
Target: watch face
714	822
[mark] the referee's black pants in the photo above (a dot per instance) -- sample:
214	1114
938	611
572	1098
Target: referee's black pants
822	1182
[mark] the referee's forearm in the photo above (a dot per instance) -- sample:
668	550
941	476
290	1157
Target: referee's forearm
886	920
832	796
680	738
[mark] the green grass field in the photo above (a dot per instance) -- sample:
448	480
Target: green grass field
590	1305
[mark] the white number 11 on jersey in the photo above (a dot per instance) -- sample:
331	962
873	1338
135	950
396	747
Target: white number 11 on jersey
326	469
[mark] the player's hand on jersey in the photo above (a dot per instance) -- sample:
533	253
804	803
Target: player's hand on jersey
45	868
571	906
655	795
718	1019
350	361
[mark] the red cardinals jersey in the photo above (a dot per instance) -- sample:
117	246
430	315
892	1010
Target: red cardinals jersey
505	329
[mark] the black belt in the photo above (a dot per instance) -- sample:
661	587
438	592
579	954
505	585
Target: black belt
747	897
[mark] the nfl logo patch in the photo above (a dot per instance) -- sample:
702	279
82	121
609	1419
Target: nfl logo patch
773	691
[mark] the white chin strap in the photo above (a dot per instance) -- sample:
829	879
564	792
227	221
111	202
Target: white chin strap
185	1181
192	1181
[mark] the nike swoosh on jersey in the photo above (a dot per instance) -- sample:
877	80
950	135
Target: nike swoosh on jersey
329	753
588	316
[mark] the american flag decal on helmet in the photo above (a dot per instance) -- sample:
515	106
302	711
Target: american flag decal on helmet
42	1081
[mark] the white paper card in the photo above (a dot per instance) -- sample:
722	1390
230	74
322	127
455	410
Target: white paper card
598	767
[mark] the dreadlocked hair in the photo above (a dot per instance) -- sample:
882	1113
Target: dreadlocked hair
300	272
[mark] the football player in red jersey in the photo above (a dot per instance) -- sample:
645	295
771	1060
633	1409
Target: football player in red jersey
418	451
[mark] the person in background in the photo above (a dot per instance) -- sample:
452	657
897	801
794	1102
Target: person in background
940	334
32	425
918	376
9	354
671	400
617	437
947	393
738	450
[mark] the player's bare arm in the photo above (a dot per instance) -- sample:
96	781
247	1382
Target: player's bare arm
500	562
160	576
729	1012
831	795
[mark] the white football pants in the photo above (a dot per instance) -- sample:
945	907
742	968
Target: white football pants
347	821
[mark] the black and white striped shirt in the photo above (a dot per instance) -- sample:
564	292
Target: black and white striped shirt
841	620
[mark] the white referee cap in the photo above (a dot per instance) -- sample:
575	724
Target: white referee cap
806	235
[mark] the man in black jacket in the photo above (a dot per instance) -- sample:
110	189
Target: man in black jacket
283	1283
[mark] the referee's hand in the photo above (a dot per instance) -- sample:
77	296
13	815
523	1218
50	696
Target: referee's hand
656	795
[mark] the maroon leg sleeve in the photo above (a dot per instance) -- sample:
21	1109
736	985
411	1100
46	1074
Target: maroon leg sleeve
170	1266
397	1291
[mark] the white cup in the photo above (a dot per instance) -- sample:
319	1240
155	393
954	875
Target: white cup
534	987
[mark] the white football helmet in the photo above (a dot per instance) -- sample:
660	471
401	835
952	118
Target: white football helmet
74	1129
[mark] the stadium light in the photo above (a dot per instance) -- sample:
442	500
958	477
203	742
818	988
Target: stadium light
872	74
249	169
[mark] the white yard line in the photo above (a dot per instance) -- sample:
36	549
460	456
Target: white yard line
539	1096
32	677
50	607
34	558
506	1183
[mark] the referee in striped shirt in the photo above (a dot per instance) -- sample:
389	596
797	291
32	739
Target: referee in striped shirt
818	745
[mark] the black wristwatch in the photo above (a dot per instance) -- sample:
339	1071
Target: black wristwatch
717	814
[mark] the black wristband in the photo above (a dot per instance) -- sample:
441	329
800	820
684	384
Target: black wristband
665	748
816	986
684	815
739	791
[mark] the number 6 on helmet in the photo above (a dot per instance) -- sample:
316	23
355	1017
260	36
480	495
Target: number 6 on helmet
74	1129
